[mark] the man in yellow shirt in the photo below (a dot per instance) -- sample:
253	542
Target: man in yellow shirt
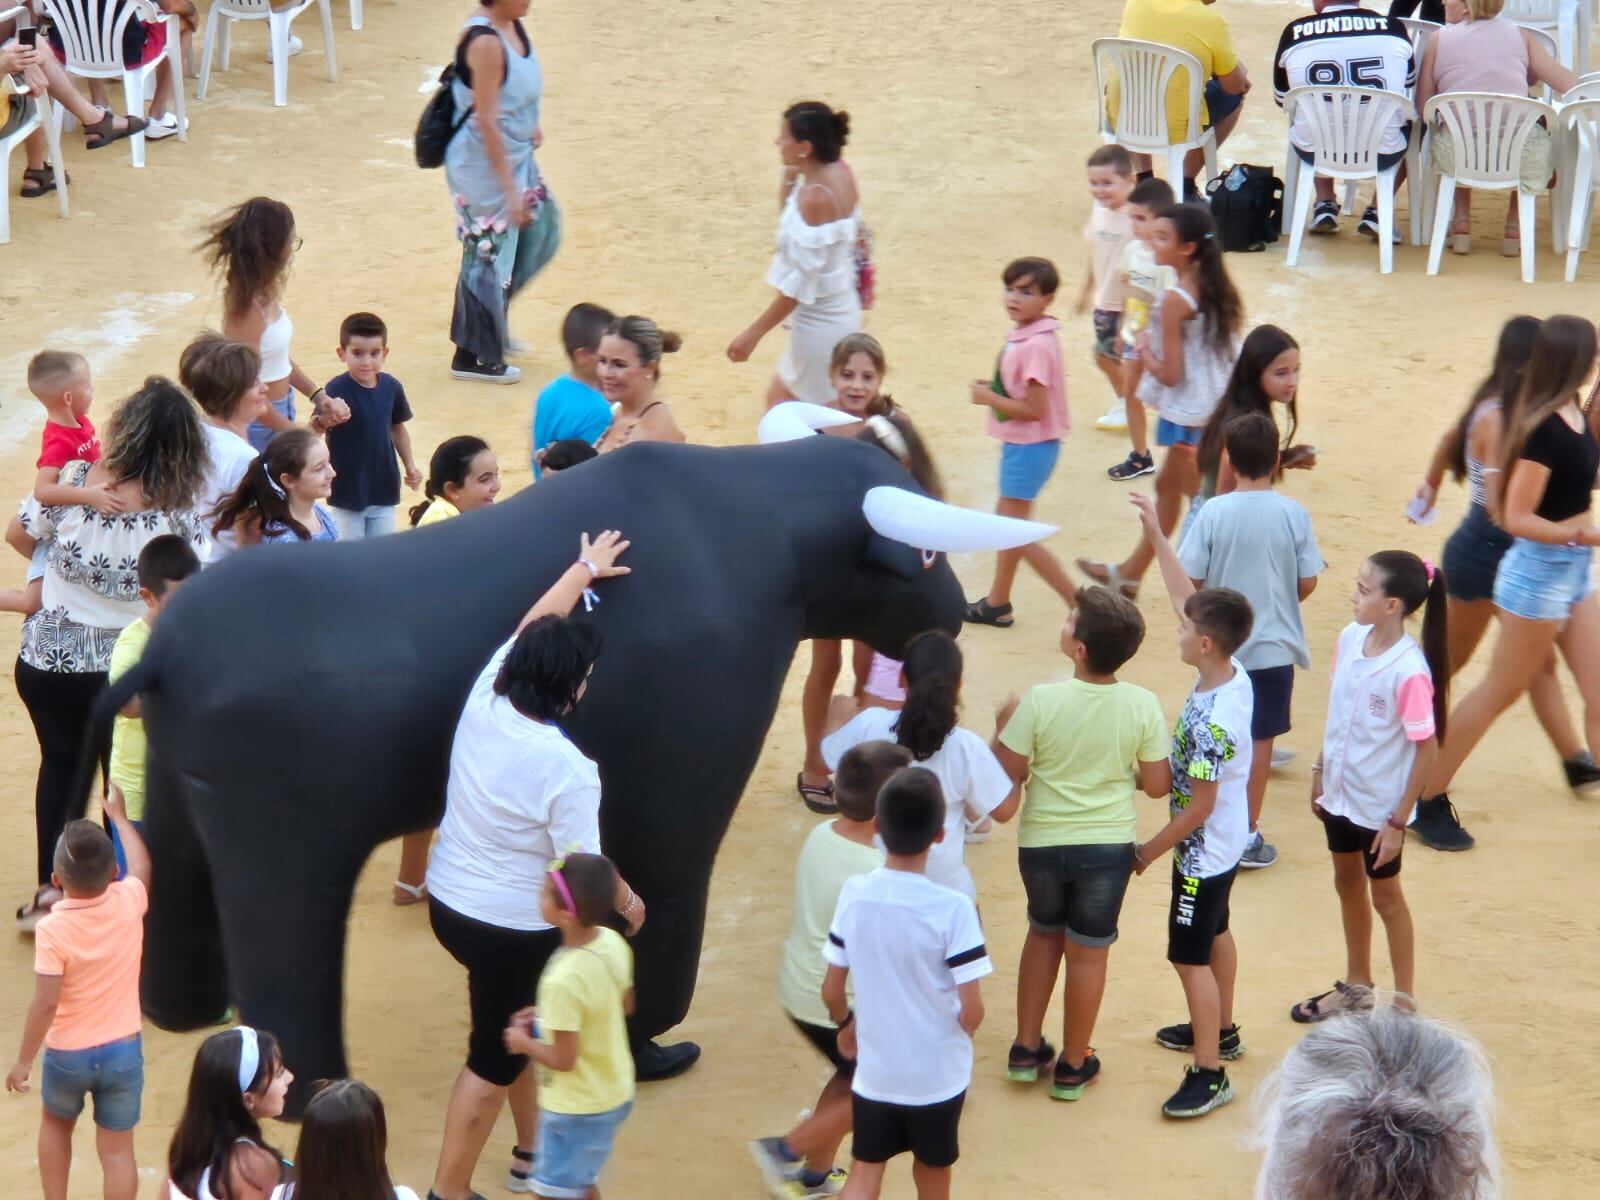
1191	26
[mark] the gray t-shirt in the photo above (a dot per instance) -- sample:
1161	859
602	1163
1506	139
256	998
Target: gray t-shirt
1260	544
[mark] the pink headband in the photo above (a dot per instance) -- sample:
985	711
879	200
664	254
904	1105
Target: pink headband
1428	568
562	889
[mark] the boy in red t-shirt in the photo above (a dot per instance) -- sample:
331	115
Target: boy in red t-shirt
59	380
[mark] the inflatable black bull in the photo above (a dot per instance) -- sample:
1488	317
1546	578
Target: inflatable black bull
300	702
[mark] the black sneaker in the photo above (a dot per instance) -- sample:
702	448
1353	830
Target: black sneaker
1133	466
1023	1065
1202	1090
465	366
1369	226
1583	776
1438	827
1325	217
1181	1038
1069	1081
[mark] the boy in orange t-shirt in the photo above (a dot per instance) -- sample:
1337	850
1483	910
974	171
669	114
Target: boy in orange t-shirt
85	1006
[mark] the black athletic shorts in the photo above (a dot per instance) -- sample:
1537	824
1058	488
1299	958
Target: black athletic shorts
1199	913
1346	837
927	1130
826	1042
503	969
1273	688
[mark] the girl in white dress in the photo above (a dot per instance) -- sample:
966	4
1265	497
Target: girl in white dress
814	267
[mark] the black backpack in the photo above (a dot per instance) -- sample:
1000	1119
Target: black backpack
1247	206
440	122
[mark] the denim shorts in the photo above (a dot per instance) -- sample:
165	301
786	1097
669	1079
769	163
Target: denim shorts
1541	582
113	1074
1106	323
1025	466
573	1148
258	435
1472	556
1220	104
1170	433
1076	890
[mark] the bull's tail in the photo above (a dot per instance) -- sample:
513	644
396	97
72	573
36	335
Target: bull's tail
144	677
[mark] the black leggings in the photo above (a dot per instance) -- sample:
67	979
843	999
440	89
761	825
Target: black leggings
58	704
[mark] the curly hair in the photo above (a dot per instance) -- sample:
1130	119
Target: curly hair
155	437
250	247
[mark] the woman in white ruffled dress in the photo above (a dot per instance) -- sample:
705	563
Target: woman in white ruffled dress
814	269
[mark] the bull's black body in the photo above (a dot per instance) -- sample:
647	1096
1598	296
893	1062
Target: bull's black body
300	702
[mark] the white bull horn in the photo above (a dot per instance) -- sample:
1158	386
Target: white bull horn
904	516
795	419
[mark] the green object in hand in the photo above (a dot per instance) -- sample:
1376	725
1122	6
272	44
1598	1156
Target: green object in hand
998	388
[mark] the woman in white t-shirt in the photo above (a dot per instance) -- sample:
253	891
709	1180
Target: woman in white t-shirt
224	377
1386	717
344	1144
969	774
519	796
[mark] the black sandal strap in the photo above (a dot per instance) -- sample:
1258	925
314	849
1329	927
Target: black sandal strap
521	1155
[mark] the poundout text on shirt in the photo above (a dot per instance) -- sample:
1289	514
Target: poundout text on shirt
1352	23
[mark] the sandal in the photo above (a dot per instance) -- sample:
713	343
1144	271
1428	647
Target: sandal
1108	575
104	131
818	797
1461	238
35	910
405	894
520	1178
1351	998
981	612
1510	245
39	181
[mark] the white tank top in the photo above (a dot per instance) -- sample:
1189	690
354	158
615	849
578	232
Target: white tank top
275	339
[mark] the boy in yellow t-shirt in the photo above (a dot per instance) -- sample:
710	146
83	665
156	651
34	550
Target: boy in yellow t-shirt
578	1034
165	562
1080	745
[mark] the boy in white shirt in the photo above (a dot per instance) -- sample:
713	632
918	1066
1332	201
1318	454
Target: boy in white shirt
916	954
1209	827
1108	231
1259	543
800	1165
1141	280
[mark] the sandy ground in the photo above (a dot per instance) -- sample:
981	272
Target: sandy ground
658	125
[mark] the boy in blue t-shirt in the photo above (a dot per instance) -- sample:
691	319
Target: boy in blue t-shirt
366	481
571	406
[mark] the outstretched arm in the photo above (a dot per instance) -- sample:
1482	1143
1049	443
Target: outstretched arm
1179	586
596	560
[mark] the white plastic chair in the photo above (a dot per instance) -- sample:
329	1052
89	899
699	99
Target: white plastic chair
355	14
1347	127
1580	122
1421	33
1489	132
1143	71
225	12
91	37
1565	21
34	120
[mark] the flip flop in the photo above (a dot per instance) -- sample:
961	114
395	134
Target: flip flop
39	181
104	131
520	1177
412	895
1107	574
30	914
1351	999
818	797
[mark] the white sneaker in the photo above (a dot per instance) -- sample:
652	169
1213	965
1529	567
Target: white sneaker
163	127
1281	757
295	47
1115	417
517	348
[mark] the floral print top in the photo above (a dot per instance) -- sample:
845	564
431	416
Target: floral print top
91	579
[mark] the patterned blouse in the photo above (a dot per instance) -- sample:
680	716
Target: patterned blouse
91	578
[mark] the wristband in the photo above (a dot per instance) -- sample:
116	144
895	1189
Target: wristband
849	1016
594	571
1392	823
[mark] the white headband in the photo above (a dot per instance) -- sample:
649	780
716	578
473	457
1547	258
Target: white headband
249	1056
893	441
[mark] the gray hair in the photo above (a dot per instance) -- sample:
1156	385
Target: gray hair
1382	1105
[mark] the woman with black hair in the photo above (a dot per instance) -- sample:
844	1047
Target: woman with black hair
814	268
519	796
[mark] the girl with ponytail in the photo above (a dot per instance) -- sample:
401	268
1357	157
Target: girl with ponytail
276	501
218	1148
1386	718
968	772
463	475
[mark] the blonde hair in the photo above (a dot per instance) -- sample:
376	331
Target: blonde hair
648	338
51	372
1484	10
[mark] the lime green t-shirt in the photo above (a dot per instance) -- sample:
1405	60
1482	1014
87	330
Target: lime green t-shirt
581	991
1081	741
127	733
